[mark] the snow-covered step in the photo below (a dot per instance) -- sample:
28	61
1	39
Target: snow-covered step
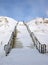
23	38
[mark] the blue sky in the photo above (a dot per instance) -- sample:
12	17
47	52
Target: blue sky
24	10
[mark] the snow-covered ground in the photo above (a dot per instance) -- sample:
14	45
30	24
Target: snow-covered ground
24	57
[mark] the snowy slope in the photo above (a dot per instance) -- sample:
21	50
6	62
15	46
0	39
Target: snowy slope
39	27
7	26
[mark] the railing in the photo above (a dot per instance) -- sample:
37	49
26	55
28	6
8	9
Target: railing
40	47
9	45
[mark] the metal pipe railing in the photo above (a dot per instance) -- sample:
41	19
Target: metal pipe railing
40	47
9	45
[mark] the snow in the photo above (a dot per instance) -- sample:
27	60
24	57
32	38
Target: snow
40	30
23	35
43	38
25	55
7	26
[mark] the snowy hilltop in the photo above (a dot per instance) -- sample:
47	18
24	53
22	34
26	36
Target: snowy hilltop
39	27
39	24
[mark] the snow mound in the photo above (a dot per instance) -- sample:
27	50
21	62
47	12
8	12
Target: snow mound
39	27
7	26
